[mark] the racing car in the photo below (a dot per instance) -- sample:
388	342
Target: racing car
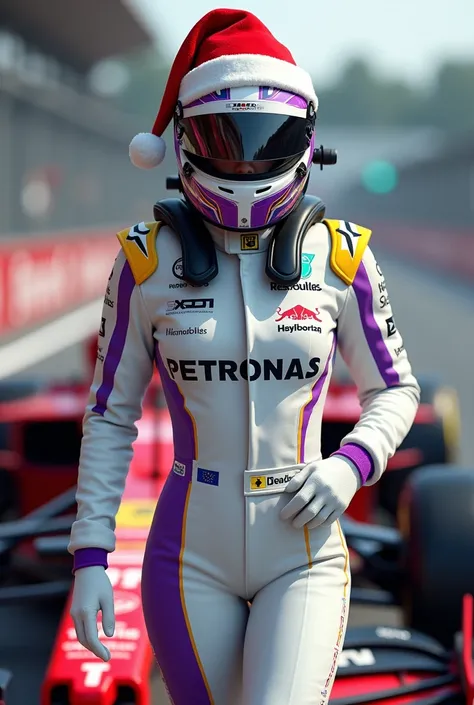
420	566
424	567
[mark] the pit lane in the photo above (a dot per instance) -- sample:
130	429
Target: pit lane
434	314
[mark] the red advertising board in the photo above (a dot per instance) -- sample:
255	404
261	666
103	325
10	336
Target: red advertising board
41	278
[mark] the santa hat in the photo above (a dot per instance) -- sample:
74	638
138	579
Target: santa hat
225	49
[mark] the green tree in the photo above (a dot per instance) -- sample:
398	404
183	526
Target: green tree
451	103
359	98
148	73
362	98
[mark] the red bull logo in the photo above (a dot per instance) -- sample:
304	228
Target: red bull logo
299	313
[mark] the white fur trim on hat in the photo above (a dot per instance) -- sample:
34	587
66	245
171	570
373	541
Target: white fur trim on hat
147	150
246	70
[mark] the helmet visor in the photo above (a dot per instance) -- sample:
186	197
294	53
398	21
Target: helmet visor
244	144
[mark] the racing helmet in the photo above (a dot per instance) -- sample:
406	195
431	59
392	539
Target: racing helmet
244	154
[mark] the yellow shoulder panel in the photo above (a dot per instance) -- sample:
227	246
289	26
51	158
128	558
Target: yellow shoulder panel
349	242
139	247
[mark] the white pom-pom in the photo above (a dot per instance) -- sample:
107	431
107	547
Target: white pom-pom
147	150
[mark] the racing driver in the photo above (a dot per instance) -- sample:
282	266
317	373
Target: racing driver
245	580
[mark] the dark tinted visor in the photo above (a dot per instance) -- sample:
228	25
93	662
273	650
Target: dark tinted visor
232	138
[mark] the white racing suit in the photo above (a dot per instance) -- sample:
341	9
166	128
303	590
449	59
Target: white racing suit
245	365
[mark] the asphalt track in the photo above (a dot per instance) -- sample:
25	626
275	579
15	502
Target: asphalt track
436	317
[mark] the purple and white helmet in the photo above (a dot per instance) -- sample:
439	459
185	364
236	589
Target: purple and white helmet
244	155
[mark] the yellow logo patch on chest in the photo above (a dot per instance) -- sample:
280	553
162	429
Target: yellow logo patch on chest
249	241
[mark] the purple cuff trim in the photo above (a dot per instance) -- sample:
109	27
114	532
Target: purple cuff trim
86	557
361	459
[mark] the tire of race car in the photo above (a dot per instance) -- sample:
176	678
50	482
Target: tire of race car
436	518
439	441
8	496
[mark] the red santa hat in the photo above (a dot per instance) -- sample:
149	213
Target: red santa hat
225	49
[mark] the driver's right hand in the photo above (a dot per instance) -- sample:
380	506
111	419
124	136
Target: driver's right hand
92	594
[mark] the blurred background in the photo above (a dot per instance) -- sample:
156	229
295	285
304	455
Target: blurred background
79	79
396	90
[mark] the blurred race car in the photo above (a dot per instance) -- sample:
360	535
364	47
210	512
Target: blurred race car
424	567
40	433
4	680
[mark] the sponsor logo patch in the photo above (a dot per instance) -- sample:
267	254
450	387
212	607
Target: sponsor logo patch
186	331
179	468
298	313
305	286
248	370
249	241
195	305
244	106
306	269
178	268
263	482
349	237
138	234
208	477
383	299
391	327
259	482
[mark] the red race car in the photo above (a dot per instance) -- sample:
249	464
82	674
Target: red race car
424	567
421	567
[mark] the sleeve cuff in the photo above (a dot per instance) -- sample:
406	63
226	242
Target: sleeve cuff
87	557
361	459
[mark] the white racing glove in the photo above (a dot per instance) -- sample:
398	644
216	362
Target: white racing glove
324	489
93	593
